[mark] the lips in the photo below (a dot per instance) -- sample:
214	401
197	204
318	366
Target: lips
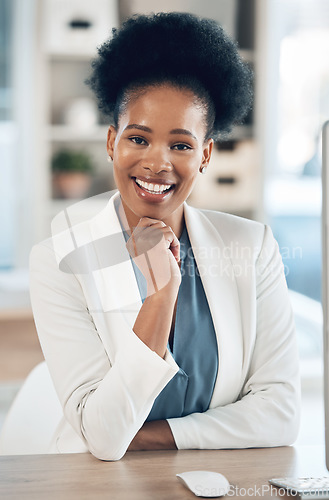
153	187
152	191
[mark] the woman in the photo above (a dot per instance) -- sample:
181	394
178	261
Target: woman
188	342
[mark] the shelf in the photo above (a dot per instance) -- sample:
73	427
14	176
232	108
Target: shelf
247	55
65	133
239	133
63	56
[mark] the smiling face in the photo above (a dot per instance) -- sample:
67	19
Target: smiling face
158	150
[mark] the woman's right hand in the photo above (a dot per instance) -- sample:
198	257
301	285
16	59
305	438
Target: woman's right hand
154	248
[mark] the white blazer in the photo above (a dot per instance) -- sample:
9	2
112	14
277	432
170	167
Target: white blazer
106	378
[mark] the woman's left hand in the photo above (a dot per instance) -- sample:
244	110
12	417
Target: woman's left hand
155	435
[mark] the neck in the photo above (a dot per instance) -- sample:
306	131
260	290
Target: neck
176	221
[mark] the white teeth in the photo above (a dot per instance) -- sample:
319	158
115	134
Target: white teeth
153	188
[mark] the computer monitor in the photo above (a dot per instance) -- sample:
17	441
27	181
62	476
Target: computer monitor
325	276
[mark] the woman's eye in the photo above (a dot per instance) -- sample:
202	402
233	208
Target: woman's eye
181	147
138	140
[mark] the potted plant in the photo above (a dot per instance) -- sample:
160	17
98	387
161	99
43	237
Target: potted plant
71	173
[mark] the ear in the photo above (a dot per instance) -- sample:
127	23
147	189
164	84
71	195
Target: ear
207	150
111	135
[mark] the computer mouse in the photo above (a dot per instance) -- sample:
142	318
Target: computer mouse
204	483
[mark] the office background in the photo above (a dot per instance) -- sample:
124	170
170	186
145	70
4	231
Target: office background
268	169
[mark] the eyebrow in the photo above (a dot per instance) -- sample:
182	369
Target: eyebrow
139	127
182	131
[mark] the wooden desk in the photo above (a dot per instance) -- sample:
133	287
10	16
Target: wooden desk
151	475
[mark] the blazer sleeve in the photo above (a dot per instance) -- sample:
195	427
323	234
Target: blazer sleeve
105	403
267	411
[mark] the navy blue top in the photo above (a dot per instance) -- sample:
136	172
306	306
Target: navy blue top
194	344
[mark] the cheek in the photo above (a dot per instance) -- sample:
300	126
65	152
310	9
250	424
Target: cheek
120	169
123	159
188	178
191	169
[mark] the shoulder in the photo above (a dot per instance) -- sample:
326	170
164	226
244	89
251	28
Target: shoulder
233	228
47	263
42	254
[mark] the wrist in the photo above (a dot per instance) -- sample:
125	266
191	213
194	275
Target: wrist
167	294
154	435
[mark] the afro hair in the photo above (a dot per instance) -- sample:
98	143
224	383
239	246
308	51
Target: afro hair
180	48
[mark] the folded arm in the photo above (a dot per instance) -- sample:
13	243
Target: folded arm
268	409
105	400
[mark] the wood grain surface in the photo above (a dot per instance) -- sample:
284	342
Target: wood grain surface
152	475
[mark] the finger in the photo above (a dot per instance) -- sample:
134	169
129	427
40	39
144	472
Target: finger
175	248
149	228
174	244
145	238
147	221
161	230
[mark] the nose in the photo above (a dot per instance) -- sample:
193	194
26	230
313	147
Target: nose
156	161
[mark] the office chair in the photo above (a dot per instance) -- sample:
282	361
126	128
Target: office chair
33	416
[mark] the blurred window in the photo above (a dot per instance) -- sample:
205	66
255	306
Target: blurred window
298	81
7	136
5	59
293	194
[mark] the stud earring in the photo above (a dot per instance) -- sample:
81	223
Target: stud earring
109	159
203	170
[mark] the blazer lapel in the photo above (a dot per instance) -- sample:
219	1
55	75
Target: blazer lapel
114	277
219	282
